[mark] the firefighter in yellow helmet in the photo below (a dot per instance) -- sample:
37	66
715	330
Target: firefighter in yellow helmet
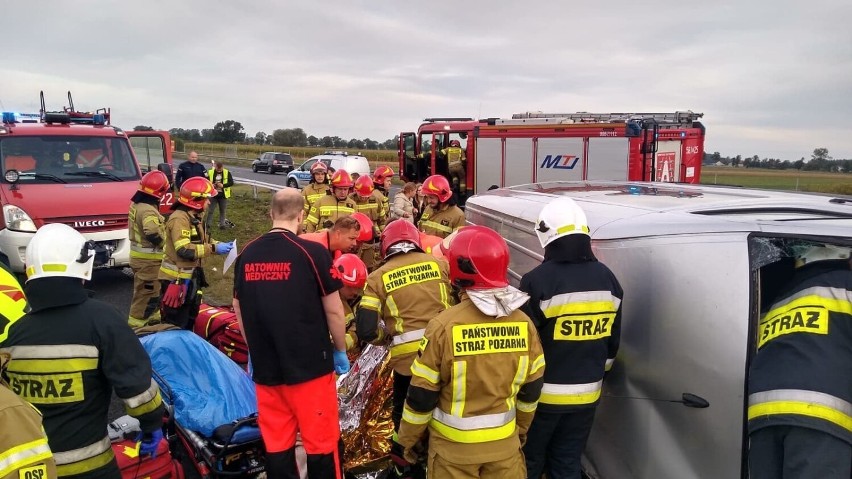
70	353
800	380
456	163
406	292
318	187
147	233
181	274
442	216
327	209
478	372
368	201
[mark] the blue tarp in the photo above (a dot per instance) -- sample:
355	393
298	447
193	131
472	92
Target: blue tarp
203	385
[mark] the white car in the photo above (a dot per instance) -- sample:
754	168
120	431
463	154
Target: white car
335	160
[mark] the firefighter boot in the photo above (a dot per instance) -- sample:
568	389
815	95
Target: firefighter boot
136	322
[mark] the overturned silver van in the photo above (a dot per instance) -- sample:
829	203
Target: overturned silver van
697	264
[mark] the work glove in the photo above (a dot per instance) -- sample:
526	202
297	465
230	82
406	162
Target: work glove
224	248
401	466
174	294
341	362
149	441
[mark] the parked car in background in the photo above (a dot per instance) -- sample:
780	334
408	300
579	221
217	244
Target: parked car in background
273	162
334	160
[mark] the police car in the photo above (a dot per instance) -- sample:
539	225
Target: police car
334	160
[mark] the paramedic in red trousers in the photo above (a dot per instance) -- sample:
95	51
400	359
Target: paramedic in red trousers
575	302
476	396
800	381
287	302
404	294
186	245
70	353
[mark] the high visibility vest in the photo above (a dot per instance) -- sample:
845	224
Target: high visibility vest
225	175
13	303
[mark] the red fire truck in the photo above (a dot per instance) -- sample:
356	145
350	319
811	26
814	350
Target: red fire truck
75	168
537	147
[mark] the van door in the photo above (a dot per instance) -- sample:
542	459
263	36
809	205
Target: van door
152	148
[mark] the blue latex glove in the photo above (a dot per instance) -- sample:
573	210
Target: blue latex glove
148	442
341	362
224	248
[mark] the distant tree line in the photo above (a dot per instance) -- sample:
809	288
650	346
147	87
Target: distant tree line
230	131
820	160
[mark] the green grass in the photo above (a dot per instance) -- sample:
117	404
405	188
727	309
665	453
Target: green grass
795	180
251	216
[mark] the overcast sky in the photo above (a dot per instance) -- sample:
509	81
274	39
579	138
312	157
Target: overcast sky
773	78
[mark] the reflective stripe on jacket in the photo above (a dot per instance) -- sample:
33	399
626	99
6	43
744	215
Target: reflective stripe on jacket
144	219
443	221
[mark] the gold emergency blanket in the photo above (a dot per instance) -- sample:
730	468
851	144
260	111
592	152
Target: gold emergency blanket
364	400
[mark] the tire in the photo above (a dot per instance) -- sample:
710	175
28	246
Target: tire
254	168
292	183
271	170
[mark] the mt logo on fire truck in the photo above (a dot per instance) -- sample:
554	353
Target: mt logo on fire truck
560	162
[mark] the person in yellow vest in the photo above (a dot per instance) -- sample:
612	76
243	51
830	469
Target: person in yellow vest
318	187
24	452
382	179
405	293
456	163
368	201
353	273
327	209
187	243
222	181
146	232
478	373
442	216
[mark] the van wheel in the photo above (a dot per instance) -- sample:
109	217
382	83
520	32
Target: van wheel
292	183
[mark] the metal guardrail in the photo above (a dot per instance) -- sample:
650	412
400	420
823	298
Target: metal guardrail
257	184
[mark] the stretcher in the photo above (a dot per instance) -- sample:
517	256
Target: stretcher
211	406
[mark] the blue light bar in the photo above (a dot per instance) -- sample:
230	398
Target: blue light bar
16	117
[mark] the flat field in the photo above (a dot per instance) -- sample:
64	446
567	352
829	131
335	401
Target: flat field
792	180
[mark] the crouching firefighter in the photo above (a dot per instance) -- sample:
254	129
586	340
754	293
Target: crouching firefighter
69	354
146	247
181	275
478	372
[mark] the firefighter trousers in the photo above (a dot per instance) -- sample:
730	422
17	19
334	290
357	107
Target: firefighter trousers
788	451
457	175
510	468
555	442
146	290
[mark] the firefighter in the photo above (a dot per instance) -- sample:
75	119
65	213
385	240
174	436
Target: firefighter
568	289
24	451
368	201
478	373
410	289
382	179
318	187
456	164
327	209
70	353
800	381
344	236
353	274
442	216
146	232
181	275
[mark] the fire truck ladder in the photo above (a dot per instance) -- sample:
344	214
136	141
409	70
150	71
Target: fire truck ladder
538	118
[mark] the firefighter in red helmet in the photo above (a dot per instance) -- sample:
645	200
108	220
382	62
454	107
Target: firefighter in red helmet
368	202
146	233
442	216
478	373
382	178
327	209
186	244
406	292
353	273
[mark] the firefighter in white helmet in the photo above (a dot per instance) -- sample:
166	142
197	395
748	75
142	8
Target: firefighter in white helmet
575	302
800	381
478	372
71	352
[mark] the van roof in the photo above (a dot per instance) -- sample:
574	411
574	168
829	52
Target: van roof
617	209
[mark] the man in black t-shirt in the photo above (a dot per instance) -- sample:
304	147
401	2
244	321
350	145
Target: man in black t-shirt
285	297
